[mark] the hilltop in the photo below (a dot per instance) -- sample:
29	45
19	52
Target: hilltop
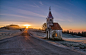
11	27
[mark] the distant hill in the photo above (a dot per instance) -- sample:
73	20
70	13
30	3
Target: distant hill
11	27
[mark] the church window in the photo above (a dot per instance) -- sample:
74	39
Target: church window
50	19
55	34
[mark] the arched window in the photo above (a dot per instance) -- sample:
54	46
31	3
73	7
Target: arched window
55	34
50	19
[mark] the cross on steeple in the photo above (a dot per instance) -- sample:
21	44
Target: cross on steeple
50	8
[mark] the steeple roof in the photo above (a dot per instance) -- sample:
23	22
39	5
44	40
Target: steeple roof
50	14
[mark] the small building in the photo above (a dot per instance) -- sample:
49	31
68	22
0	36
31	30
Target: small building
54	30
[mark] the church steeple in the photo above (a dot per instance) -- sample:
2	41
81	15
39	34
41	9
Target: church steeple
50	14
49	18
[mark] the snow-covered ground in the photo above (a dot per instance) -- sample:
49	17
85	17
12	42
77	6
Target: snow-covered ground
71	41
8	33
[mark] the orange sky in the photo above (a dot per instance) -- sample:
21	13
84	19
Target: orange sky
36	26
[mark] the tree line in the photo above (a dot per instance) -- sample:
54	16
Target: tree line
75	33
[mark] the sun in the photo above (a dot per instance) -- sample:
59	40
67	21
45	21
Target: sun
27	25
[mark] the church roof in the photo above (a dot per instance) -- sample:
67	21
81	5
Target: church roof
50	15
56	26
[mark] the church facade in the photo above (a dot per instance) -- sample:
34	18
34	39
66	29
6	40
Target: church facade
53	29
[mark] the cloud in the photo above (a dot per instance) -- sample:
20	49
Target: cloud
60	19
16	15
34	5
40	2
61	7
63	17
70	3
70	20
25	12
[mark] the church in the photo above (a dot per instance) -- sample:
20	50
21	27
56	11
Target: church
53	30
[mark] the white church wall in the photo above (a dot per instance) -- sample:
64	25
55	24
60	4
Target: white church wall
59	34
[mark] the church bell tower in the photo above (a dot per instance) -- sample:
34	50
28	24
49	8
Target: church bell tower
49	19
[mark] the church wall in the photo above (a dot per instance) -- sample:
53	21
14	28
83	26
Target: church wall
59	33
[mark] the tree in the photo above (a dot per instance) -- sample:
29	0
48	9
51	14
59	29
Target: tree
67	31
79	34
72	32
84	34
44	26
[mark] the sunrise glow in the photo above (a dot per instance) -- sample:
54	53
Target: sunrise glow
27	25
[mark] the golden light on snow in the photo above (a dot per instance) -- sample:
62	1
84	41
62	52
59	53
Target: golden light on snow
27	25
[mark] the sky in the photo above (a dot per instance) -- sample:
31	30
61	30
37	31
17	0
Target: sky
70	14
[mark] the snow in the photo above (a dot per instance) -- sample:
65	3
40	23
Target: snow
71	41
69	37
8	33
